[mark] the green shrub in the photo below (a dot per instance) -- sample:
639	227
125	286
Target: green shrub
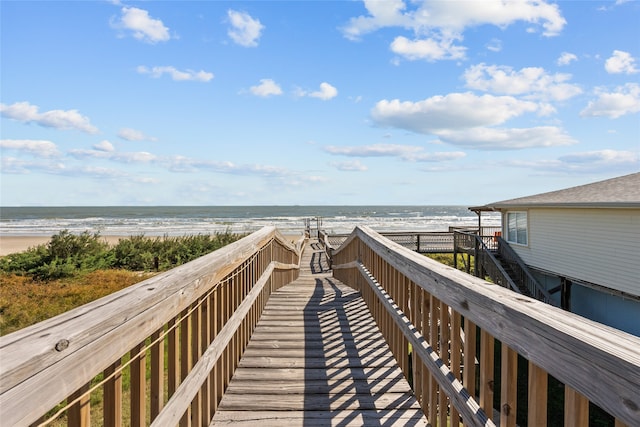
67	254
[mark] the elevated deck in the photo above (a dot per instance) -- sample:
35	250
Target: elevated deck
317	358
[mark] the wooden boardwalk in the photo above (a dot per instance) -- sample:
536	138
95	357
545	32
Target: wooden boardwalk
317	358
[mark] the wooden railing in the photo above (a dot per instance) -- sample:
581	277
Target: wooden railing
448	320
422	242
160	352
535	289
487	263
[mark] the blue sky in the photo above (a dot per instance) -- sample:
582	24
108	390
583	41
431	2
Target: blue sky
314	102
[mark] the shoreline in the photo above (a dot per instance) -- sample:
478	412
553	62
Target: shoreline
13	244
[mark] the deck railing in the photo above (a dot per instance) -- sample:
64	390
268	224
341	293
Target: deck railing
426	307
508	255
174	339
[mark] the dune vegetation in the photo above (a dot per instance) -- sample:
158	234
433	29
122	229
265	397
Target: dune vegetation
74	269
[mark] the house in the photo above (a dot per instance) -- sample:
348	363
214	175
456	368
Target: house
583	246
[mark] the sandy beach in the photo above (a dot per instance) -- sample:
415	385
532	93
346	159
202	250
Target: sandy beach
12	244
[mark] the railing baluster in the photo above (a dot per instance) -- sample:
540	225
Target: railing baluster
444	355
80	412
434	305
205	340
196	334
185	357
112	402
425	375
508	386
173	359
456	347
157	374
138	378
487	344
576	408
537	398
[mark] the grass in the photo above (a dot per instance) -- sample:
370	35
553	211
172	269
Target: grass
73	270
25	301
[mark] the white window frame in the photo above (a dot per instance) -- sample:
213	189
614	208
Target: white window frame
515	234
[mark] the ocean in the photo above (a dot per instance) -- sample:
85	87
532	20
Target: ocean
190	220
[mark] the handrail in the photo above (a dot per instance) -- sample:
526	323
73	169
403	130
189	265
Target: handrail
323	239
576	351
537	291
494	269
499	275
184	309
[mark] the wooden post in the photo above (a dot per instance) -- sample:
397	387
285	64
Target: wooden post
434	305
455	359
469	373
138	385
537	400
508	387
157	374
444	355
112	412
576	408
80	412
487	344
185	356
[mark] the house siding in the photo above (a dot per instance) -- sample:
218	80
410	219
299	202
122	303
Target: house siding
600	246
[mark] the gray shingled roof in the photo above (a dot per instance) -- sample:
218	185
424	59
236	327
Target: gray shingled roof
621	192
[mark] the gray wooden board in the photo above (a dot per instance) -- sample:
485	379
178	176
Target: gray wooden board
390	418
317	358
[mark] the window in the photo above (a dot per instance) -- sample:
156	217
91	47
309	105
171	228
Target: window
517	228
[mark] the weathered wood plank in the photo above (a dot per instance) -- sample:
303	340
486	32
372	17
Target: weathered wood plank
317	357
305	386
299	374
318	402
389	417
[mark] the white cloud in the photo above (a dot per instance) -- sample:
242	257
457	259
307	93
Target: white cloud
350	166
325	93
621	63
267	87
12	165
191	165
437	24
566	58
244	30
176	75
58	119
134	135
532	81
410	153
430	49
121	157
453	111
38	148
625	100
431	14
482	138
600	161
495	45
374	150
105	146
143	27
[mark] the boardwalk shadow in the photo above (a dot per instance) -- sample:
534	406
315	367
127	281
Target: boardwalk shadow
354	379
